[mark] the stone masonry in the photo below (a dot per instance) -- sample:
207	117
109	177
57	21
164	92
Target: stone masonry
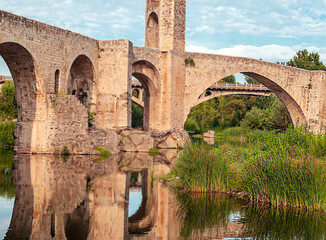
60	75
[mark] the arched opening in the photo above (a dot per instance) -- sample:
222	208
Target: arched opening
56	81
224	104
152	30
208	93
136	93
146	74
80	80
22	76
52	225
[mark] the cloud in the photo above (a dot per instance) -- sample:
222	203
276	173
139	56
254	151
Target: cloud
266	18
97	19
272	53
206	29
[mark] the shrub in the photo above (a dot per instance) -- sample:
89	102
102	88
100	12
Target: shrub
6	134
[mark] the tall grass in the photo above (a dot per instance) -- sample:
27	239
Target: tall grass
285	168
200	169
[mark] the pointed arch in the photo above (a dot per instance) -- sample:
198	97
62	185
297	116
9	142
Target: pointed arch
152	31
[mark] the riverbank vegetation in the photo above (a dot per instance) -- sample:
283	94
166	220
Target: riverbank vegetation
285	168
8	113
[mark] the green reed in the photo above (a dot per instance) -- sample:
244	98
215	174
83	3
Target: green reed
285	168
201	169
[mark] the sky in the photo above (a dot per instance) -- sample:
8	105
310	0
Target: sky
273	30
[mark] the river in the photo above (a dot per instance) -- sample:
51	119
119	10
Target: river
47	197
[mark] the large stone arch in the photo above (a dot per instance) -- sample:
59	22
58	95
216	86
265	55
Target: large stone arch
81	79
152	31
28	89
273	76
148	75
224	93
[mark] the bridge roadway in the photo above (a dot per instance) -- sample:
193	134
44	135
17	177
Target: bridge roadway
215	90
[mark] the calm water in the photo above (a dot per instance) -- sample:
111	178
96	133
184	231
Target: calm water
121	198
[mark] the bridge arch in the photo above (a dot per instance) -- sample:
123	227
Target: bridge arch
148	75
28	89
81	78
23	69
152	31
264	77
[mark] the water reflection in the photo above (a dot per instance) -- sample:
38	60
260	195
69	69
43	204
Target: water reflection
78	198
7	187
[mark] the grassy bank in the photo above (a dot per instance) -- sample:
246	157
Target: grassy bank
277	168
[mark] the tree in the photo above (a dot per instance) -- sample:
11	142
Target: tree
8	104
304	59
229	79
251	80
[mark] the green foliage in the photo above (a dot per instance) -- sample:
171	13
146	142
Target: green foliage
226	111
65	151
306	60
250	80
6	134
104	154
153	152
137	116
190	61
8	104
201	169
285	168
91	115
257	119
7	187
192	125
267	114
229	79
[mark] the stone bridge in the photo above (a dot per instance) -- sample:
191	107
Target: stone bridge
60	75
216	90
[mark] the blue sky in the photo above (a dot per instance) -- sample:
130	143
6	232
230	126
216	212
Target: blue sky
271	29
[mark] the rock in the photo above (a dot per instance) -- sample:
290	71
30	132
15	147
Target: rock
209	134
173	140
136	141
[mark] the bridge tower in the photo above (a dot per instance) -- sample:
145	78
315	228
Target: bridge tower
165	29
165	25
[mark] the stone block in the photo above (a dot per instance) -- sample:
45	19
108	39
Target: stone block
136	141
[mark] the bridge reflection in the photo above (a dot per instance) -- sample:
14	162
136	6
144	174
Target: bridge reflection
82	199
79	198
